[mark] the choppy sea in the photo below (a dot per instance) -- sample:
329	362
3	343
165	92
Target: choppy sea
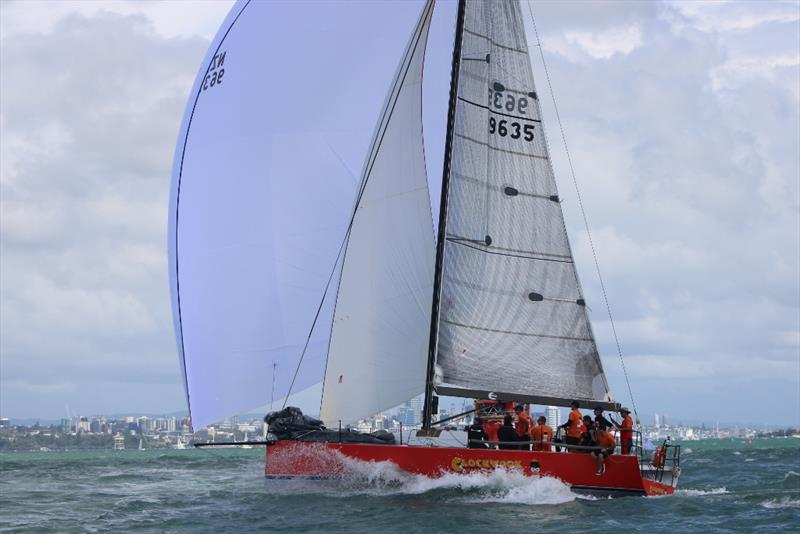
726	486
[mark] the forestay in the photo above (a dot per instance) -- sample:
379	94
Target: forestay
378	348
512	315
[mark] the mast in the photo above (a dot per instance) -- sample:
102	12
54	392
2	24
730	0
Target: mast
427	410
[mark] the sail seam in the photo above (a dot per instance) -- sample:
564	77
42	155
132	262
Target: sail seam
467	138
497	112
464	178
458	238
511	332
493	42
520	256
464	283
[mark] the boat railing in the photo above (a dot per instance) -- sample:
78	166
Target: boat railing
556	446
665	461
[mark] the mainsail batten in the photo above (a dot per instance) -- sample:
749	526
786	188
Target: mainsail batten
376	358
512	315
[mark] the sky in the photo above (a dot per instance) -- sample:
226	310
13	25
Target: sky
682	120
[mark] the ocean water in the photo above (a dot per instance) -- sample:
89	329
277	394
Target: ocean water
727	486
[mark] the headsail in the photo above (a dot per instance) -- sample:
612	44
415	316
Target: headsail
380	330
512	315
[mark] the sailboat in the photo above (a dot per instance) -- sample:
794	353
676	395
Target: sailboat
488	307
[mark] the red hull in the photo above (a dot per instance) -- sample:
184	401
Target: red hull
289	459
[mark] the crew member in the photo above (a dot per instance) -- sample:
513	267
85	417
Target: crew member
523	427
573	426
541	433
625	431
507	434
490	428
476	437
600	420
605	448
587	434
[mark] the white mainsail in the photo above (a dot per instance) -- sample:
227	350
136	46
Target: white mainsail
512	316
378	348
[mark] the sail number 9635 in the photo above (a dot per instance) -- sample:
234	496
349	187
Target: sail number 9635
512	129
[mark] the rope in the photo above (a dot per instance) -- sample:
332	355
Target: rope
583	212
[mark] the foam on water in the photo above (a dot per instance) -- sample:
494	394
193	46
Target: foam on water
785	502
499	485
697	493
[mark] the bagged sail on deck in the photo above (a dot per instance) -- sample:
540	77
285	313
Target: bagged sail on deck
512	315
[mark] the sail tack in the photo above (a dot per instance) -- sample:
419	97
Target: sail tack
378	348
512	315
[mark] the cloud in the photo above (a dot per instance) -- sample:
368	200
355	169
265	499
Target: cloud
90	110
683	121
606	43
685	145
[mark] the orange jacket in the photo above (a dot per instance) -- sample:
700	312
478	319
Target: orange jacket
541	433
575	423
605	440
523	425
626	428
491	428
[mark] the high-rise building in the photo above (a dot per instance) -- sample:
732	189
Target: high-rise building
553	416
407	416
657	421
83	424
413	415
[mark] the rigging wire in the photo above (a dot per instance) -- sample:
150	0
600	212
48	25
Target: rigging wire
316	317
583	212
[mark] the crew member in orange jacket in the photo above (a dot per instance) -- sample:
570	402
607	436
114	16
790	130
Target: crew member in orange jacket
490	428
523	427
573	426
625	430
540	433
605	448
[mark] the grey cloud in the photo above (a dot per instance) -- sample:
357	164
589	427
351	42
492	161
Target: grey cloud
685	142
90	113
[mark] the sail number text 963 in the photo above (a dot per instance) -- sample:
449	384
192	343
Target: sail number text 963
501	101
506	101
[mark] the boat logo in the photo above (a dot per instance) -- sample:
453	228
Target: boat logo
492	395
215	71
459	465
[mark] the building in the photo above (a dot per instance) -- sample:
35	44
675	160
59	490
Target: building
83	424
407	416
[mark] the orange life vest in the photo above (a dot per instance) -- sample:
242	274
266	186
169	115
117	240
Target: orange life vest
541	433
575	424
523	424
